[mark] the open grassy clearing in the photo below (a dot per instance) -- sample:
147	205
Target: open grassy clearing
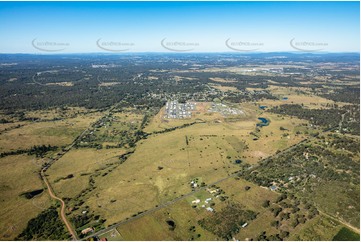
9	126
320	228
55	133
67	112
80	163
224	88
252	198
296	96
346	207
278	135
155	227
222	80
20	175
129	116
112	235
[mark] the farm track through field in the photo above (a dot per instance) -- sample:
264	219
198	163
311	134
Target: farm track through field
355	229
62	212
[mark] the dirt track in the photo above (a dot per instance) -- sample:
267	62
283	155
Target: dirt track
62	212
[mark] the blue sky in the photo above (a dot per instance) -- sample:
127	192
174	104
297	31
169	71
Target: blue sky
205	26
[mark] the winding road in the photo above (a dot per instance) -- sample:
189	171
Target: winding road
62	212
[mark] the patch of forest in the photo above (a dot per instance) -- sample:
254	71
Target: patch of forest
346	94
324	117
228	221
46	226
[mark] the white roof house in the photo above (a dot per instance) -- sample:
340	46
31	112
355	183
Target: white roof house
209	209
196	201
